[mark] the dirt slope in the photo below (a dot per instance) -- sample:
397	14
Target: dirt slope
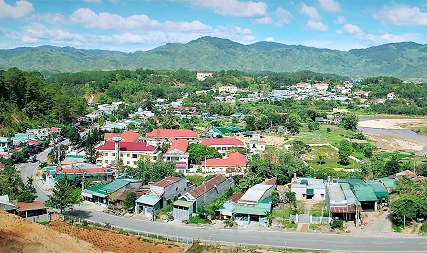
20	235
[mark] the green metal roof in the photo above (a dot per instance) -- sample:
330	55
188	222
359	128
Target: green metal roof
388	182
151	199
183	203
363	191
229	129
259	209
97	191
379	189
115	185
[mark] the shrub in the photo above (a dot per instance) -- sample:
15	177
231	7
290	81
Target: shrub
423	228
337	224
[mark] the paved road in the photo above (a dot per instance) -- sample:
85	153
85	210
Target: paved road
29	170
309	241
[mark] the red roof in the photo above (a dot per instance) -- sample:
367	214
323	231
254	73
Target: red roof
80	171
179	144
271	181
210	184
172	133
34	142
36	205
167	181
127	146
128	136
222	142
233	159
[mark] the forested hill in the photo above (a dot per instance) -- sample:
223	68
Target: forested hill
403	60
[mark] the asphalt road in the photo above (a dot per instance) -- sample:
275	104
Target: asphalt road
29	170
266	237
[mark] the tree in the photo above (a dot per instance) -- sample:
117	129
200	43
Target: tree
293	123
129	202
345	149
290	197
90	154
299	148
200	152
274	198
393	165
64	195
28	192
350	121
405	208
322	157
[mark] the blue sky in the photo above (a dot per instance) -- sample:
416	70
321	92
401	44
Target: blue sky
131	25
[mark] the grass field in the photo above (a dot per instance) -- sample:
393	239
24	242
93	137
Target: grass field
335	135
331	159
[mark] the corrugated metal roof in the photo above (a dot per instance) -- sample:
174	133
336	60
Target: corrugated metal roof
183	203
150	199
259	209
379	189
115	185
363	191
255	193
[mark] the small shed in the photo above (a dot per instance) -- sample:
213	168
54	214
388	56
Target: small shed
35	211
148	204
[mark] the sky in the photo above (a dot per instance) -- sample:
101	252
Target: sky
132	25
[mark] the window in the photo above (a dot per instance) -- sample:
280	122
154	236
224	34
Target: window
134	156
128	155
127	162
113	154
322	195
121	155
176	189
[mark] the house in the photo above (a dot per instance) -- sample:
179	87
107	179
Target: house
308	188
177	152
234	164
6	204
201	76
226	211
159	136
303	87
223	145
227	88
411	175
105	193
257	146
5	144
341	201
128	152
364	194
207	192
391	95
35	211
255	204
161	194
115	126
128	136
76	171
320	87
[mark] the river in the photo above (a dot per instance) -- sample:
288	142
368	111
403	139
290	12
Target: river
405	134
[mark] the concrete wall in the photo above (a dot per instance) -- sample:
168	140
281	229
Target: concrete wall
171	192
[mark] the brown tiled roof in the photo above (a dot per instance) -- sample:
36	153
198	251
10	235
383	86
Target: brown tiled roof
179	144
271	181
36	205
200	190
125	193
128	136
167	181
233	159
236	197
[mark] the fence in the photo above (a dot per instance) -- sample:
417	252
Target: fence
306	218
175	239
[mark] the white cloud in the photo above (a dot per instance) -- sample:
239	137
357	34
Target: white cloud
269	39
402	15
310	12
107	20
341	20
330	6
53	18
316	26
233	8
284	17
264	20
372	39
93	1
111	21
21	9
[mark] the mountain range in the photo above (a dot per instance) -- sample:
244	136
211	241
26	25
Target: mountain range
406	60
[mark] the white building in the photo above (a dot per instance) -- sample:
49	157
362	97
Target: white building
129	153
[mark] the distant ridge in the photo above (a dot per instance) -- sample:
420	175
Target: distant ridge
404	60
